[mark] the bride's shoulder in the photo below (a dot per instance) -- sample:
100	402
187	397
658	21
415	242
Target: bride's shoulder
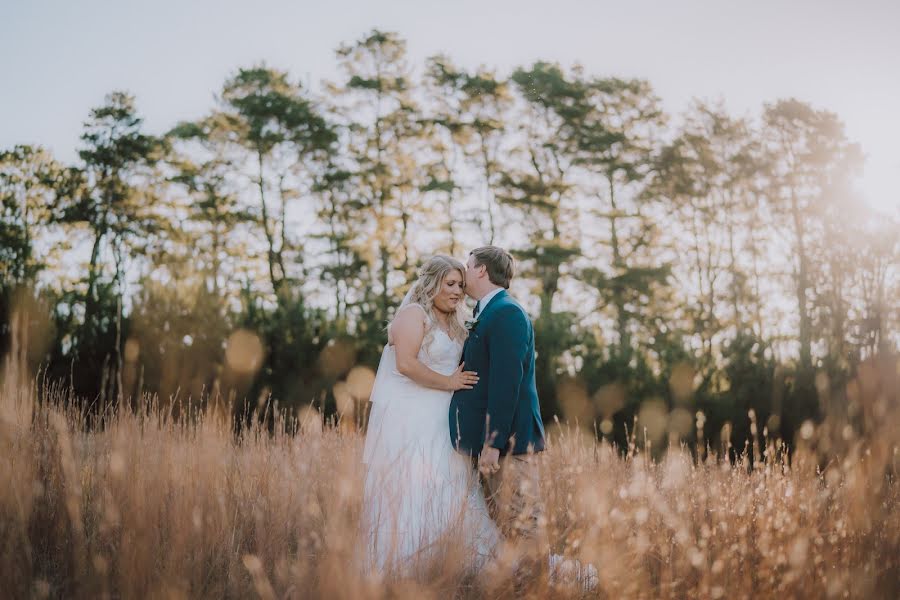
418	308
413	321
409	314
411	304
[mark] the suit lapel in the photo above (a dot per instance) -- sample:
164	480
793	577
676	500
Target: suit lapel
483	313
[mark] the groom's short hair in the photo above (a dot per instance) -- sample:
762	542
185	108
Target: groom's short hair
501	267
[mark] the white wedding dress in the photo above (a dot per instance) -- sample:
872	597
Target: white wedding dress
421	496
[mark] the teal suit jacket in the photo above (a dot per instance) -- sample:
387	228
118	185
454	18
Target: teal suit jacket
502	408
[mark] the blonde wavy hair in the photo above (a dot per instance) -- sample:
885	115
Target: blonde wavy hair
428	284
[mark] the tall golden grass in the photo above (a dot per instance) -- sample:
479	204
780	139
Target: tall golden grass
148	506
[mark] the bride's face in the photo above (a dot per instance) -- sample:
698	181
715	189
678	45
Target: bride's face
451	292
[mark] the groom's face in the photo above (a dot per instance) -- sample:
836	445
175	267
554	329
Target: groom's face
474	277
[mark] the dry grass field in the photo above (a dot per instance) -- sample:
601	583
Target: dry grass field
148	506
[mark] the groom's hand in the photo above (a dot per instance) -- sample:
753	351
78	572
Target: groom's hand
489	460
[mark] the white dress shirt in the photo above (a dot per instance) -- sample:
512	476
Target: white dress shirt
487	298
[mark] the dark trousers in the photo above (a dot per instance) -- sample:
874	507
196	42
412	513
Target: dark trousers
513	496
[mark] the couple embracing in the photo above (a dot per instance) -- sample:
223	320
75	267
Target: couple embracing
455	427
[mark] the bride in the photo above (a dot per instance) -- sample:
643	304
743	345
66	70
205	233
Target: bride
419	492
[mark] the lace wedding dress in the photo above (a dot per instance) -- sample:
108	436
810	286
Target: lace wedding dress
421	496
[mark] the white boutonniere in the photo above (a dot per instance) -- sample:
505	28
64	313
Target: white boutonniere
470	324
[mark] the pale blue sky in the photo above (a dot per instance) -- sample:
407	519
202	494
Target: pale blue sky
59	58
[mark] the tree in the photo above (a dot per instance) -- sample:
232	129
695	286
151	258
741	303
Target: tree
442	127
709	177
113	196
26	201
383	133
610	136
808	153
344	267
472	108
538	187
878	279
211	203
535	187
105	193
287	140
26	215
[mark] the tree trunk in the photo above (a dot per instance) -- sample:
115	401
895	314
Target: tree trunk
486	161
735	276
619	268
270	238
450	228
802	274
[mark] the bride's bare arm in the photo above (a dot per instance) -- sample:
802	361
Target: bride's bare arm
407	332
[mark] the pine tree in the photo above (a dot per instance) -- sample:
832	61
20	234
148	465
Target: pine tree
383	129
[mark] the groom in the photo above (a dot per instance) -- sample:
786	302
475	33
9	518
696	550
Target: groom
498	421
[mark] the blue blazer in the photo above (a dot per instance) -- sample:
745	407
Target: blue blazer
503	406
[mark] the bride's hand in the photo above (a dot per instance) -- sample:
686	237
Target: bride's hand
462	380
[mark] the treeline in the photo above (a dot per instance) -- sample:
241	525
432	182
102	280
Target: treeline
684	270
